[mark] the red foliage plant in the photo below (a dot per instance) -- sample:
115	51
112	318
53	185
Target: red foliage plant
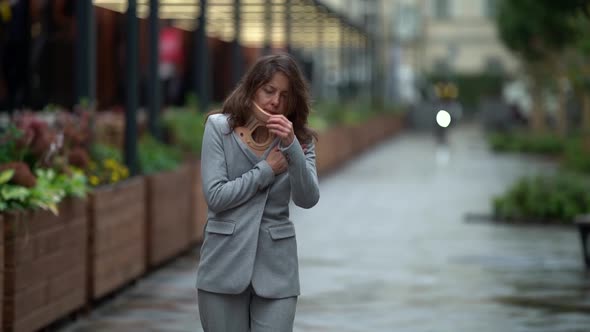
38	136
22	174
66	141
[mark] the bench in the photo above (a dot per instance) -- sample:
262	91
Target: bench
583	223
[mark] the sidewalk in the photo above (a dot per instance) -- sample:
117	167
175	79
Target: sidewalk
387	249
163	301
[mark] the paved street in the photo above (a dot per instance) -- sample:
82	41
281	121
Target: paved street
388	249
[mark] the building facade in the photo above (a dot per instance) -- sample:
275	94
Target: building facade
461	35
421	37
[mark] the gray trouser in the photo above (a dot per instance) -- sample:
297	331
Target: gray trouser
245	312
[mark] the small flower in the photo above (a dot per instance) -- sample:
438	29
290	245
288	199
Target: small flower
94	180
110	163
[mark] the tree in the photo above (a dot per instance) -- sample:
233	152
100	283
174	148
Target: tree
538	31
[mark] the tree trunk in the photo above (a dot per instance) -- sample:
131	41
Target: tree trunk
556	62
562	125
585	99
537	120
537	116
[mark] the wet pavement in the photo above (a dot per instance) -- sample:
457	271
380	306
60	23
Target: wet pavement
388	249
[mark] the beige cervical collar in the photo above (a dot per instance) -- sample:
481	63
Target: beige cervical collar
256	128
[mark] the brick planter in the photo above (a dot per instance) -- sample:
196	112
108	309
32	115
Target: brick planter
44	265
2	222
339	144
169	210
117	236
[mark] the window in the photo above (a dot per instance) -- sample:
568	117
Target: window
490	8
442	9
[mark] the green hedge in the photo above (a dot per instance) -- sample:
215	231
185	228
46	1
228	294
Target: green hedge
186	129
328	114
155	156
570	150
576	158
527	143
546	198
557	198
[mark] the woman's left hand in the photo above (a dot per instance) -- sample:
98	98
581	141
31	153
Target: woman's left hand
282	128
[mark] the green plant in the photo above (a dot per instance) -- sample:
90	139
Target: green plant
527	143
552	198
30	143
12	148
73	184
49	190
12	196
155	156
99	151
186	128
106	166
576	157
349	113
317	122
106	171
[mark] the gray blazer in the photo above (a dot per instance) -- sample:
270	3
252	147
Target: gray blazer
248	236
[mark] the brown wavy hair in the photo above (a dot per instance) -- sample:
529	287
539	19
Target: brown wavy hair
239	103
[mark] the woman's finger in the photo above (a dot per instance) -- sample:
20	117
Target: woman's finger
279	133
278	127
280	119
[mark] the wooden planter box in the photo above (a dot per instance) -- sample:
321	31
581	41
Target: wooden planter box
334	148
360	137
169	210
44	265
117	236
326	152
2	267
339	144
199	205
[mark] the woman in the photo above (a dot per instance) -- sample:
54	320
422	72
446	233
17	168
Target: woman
248	277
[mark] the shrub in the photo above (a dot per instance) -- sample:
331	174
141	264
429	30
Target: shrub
526	143
576	157
35	168
554	198
50	188
186	129
155	156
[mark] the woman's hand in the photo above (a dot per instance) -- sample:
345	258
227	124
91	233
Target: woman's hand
277	161
282	128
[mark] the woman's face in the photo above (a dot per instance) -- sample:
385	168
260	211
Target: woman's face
272	96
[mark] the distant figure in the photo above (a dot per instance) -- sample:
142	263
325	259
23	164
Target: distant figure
258	153
171	55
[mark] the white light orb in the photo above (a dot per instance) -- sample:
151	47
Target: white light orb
443	118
